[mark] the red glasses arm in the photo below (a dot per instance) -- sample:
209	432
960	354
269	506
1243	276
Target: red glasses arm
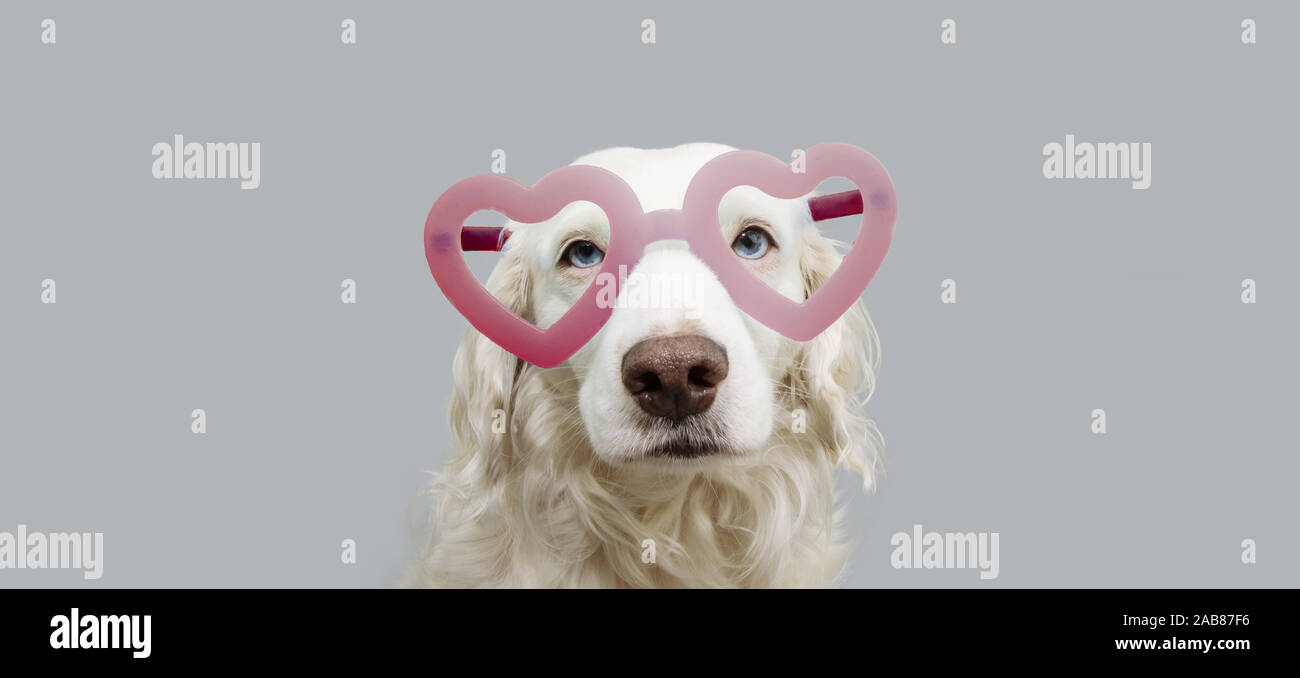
835	205
483	238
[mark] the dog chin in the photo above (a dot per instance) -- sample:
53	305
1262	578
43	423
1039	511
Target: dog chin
682	460
675	448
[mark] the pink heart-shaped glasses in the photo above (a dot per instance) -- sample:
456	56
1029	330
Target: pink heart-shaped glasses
631	229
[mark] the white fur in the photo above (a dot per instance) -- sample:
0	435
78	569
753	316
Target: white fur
568	495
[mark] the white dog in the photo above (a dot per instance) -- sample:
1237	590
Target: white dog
684	445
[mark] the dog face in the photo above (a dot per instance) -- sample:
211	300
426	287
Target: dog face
679	376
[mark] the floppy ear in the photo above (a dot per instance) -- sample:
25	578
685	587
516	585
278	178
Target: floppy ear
837	370
484	377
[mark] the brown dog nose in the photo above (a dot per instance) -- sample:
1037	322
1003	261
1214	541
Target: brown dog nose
674	377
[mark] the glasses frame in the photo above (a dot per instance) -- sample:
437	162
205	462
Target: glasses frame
631	229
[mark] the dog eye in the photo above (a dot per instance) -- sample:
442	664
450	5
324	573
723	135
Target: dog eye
583	254
752	243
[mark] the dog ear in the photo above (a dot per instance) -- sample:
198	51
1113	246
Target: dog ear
837	370
485	376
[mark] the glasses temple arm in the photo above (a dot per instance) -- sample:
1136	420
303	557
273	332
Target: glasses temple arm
483	238
835	205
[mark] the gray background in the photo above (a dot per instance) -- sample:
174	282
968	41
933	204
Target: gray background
323	418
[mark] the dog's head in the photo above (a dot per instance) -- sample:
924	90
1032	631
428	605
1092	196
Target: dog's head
679	377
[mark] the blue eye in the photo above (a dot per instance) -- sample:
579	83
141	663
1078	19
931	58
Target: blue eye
583	254
752	243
